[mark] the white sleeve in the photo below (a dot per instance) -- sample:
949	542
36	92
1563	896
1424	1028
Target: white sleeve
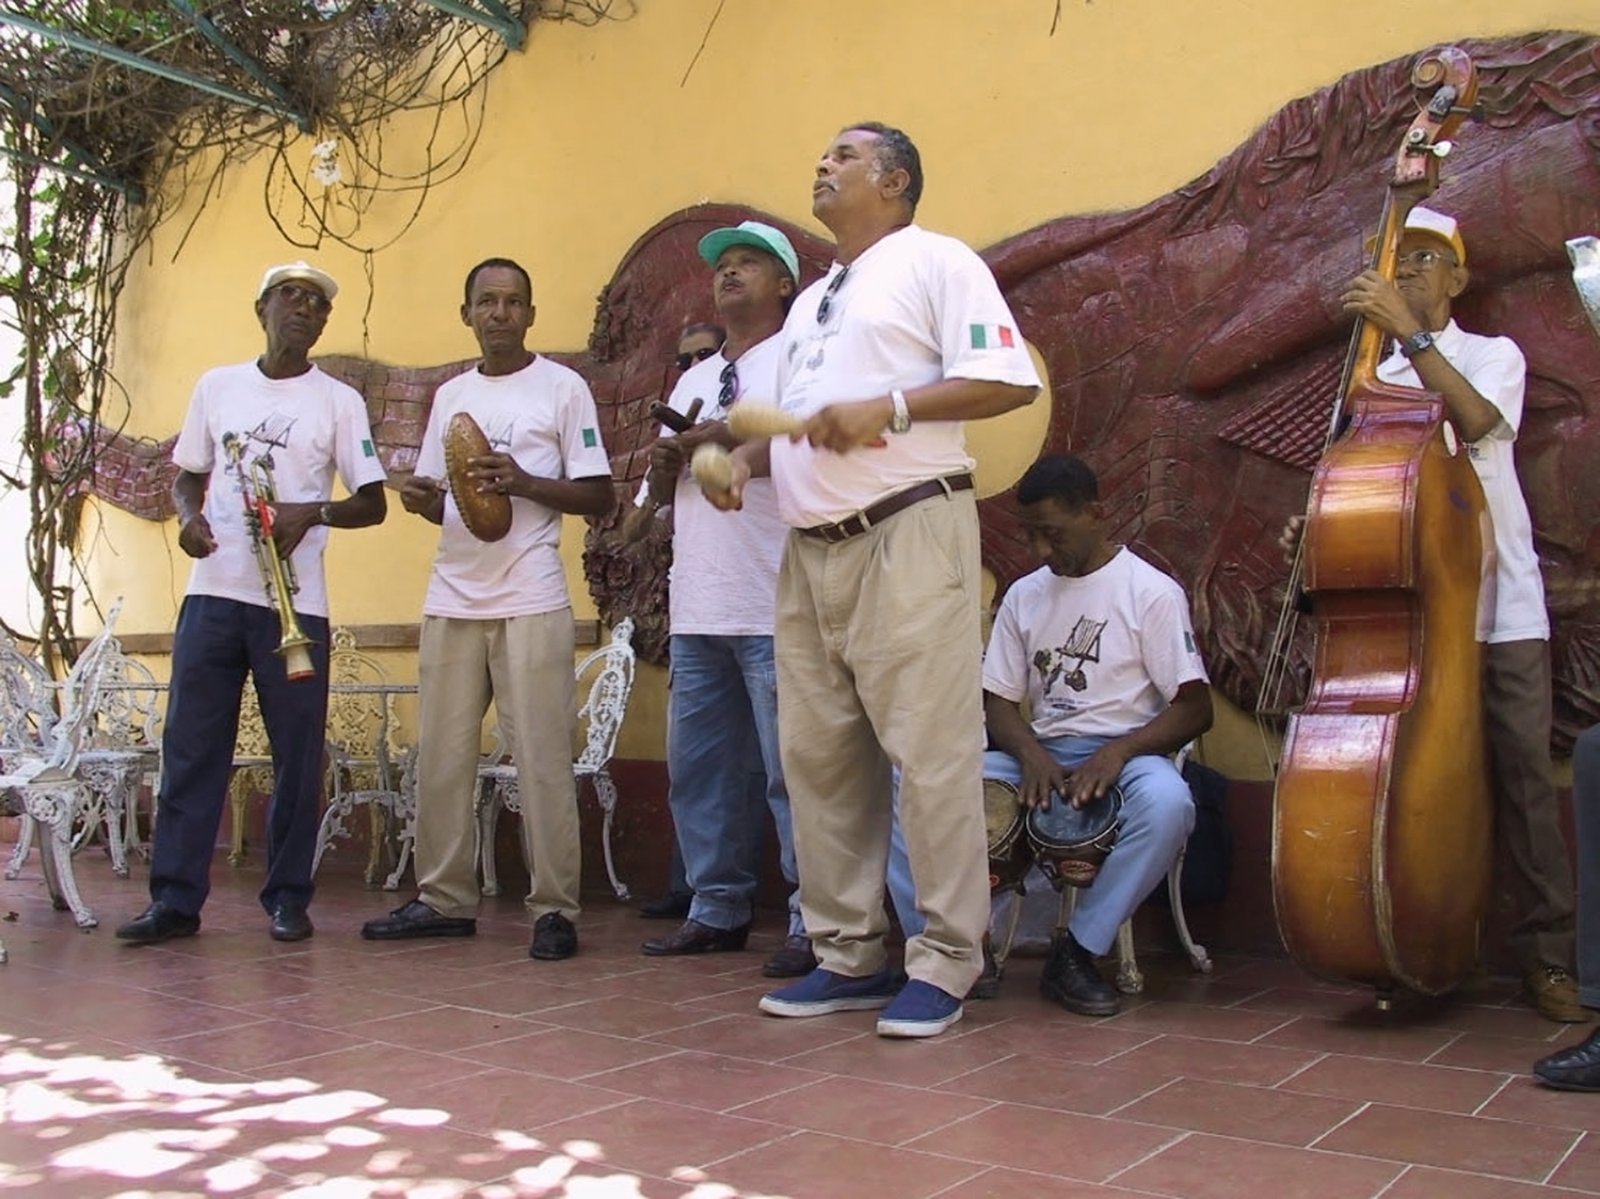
1005	662
430	455
354	453
1501	377
194	450
978	335
1166	642
583	454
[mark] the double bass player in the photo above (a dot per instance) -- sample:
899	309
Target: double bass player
1482	382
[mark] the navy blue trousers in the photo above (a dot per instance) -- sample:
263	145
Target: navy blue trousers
219	642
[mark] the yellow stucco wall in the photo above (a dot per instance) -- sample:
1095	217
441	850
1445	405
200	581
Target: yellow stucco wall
593	134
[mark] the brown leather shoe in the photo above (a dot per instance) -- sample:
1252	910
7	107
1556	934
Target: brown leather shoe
795	958
693	937
1555	995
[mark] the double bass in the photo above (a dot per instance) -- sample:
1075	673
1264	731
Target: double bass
1382	837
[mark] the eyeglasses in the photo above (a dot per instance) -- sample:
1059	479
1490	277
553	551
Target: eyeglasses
827	297
293	294
730	386
685	360
1421	260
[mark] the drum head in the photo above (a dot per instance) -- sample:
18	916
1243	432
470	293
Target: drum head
1002	815
1002	819
1062	826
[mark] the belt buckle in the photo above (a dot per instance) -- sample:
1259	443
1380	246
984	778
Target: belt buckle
835	533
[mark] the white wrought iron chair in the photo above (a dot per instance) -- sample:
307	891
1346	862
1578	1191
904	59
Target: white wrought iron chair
367	766
42	780
609	673
123	754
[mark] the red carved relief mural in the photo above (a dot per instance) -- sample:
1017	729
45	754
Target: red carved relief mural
1193	345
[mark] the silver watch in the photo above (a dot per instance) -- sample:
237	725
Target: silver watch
900	421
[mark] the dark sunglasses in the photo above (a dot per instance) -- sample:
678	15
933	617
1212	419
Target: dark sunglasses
730	386
827	297
293	294
686	360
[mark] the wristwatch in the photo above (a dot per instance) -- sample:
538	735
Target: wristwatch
900	422
325	514
1419	341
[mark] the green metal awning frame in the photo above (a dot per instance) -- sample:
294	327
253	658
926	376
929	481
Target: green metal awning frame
490	14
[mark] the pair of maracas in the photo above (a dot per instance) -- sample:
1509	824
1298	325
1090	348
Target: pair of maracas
487	514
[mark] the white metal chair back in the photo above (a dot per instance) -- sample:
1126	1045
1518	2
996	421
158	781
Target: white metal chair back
80	696
609	672
27	698
607	701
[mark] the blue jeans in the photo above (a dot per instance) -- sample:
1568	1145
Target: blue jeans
217	643
1157	816
1586	818
724	716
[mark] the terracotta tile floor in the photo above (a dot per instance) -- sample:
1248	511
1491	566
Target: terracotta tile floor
227	1065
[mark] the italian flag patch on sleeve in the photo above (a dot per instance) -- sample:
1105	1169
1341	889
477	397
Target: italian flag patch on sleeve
993	337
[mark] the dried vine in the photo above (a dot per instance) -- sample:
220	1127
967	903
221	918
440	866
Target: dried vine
101	153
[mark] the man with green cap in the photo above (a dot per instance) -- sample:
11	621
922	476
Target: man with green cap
723	704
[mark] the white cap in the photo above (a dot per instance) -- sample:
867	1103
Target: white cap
304	272
1445	228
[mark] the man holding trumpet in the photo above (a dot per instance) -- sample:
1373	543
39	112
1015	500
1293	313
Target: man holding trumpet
274	432
878	641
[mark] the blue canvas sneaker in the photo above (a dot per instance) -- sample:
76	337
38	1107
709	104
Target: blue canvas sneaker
823	991
920	1010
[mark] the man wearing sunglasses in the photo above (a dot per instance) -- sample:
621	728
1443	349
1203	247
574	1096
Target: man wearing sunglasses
696	343
723	717
1482	381
878	597
282	420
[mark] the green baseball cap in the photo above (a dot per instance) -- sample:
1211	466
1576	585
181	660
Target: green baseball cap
752	233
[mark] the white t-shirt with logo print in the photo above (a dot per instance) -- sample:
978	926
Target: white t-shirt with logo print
915	308
724	577
1097	656
306	428
544	417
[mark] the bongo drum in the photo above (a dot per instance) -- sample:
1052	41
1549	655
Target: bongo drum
1069	843
1002	822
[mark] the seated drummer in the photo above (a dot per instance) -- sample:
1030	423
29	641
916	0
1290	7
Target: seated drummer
1100	644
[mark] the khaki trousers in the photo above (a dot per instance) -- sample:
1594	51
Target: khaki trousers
1537	876
879	660
524	664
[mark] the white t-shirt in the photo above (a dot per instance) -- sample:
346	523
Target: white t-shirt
1098	656
915	308
724	577
310	425
1497	371
544	417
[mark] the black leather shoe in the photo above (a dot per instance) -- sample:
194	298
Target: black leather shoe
988	984
417	919
672	906
157	923
795	958
290	923
1575	1068
554	938
1072	979
693	937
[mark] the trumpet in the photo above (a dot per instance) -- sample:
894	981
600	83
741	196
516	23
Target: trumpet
277	575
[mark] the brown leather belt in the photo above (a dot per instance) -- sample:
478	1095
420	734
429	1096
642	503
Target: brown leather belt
854	526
